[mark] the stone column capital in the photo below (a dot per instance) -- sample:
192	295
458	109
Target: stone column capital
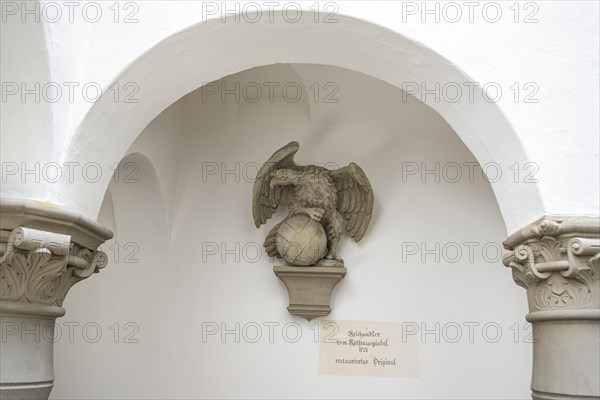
557	260
39	267
44	250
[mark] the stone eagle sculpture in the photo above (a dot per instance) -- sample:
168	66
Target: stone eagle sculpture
322	204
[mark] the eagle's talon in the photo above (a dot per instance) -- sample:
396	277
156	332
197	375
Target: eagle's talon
334	257
313	212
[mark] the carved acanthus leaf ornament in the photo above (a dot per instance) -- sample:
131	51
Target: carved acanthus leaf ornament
558	270
40	267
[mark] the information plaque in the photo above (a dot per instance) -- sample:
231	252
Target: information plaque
367	348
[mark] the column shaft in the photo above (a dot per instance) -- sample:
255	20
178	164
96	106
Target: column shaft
557	260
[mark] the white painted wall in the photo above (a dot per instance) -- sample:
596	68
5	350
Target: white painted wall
23	63
175	286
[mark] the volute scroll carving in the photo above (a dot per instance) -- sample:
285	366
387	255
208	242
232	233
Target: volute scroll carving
559	270
40	267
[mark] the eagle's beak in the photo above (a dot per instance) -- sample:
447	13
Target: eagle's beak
277	181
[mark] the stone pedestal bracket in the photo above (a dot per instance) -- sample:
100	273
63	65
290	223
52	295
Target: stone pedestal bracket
310	288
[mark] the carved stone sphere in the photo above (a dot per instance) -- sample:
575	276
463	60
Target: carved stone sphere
301	240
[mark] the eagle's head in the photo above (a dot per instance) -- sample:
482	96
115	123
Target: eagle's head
283	177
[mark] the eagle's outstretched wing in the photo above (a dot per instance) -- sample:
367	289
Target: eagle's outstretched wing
355	199
264	198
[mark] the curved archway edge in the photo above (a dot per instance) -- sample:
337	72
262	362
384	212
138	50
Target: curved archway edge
206	52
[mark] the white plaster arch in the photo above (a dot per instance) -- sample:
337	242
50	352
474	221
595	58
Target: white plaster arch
137	202
106	215
208	51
